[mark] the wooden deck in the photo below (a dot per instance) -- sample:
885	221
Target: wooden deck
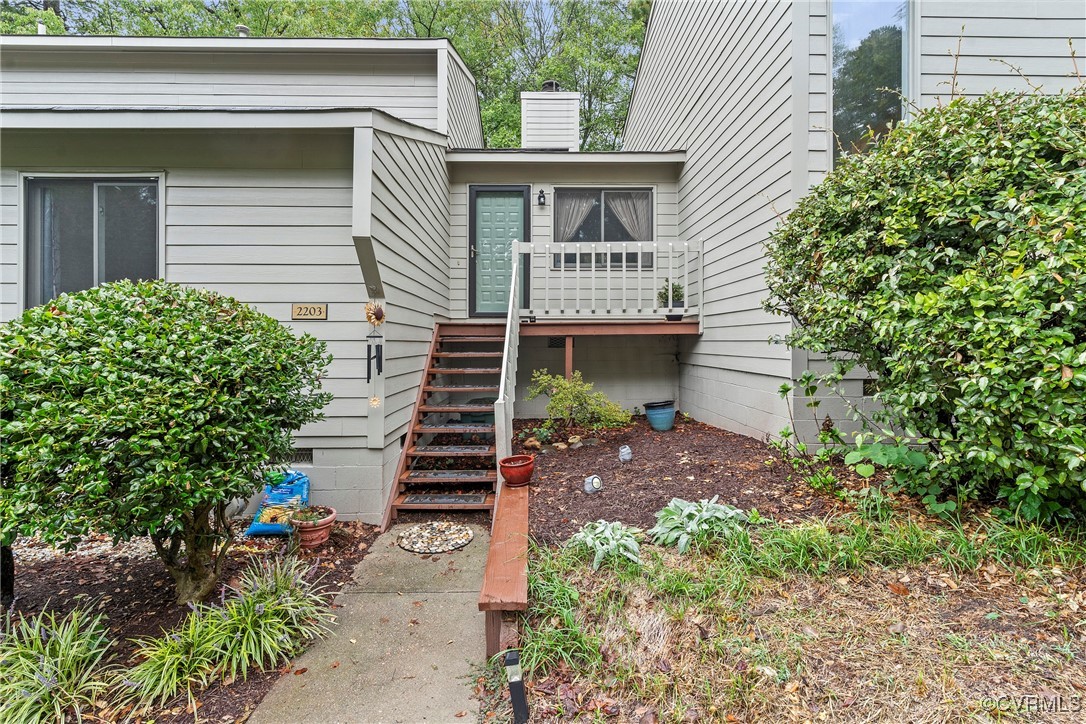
505	581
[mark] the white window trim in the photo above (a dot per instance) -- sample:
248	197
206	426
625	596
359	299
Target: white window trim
21	231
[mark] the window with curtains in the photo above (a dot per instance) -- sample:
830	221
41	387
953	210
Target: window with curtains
600	215
82	232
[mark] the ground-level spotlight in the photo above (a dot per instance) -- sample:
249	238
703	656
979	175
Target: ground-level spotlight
516	687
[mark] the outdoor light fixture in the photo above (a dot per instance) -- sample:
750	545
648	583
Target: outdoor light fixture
541	199
374	353
516	687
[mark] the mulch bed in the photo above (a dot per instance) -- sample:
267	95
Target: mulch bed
692	461
136	594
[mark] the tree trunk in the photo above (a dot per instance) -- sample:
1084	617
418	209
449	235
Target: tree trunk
196	569
7	576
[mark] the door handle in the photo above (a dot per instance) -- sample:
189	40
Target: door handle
472	248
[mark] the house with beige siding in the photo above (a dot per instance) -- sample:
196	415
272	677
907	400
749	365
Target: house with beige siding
311	177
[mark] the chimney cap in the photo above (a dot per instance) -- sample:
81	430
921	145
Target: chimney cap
243	30
550	86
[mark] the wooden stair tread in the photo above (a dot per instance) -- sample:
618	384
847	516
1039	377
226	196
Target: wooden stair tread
472	338
452	451
460	388
453	427
449	476
456	408
465	370
468	355
399	504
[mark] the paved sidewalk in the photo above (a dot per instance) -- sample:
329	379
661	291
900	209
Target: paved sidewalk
416	631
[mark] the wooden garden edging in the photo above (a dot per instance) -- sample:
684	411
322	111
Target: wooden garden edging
505	581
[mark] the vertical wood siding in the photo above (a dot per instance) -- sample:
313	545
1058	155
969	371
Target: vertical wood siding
733	117
465	121
410	231
401	83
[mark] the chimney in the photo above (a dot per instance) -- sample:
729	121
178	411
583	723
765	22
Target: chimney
42	28
550	118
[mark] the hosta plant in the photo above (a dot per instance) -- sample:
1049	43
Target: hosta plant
51	667
683	523
607	542
143	409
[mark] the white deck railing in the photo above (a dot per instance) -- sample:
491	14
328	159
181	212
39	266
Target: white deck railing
616	280
503	406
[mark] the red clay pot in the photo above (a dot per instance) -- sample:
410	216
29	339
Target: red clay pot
313	533
517	470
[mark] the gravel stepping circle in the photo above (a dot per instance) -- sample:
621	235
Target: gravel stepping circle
435	537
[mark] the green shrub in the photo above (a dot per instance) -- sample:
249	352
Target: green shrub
572	401
51	668
949	260
144	409
607	542
684	524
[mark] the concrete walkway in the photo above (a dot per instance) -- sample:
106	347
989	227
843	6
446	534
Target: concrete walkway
402	650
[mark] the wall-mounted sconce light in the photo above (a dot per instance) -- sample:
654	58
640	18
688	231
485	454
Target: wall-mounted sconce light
375	349
541	198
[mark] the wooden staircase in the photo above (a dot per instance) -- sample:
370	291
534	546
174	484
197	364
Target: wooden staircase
449	460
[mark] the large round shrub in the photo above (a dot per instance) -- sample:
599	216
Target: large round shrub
950	261
144	409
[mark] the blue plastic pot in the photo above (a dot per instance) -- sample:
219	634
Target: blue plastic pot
661	415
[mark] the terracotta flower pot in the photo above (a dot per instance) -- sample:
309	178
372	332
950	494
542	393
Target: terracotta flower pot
314	533
517	469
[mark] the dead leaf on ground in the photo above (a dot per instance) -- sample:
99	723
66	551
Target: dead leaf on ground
335	664
301	671
898	588
460	714
897	628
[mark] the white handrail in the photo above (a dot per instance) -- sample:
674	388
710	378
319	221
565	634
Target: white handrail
503	406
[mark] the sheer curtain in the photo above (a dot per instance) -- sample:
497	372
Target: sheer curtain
634	211
571	208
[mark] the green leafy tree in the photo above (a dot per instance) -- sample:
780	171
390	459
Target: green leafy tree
950	261
144	409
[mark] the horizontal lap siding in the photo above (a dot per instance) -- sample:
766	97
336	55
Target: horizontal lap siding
267	236
465	122
401	83
1029	35
734	119
410	230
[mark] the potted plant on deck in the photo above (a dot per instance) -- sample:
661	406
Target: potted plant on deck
671	296
313	525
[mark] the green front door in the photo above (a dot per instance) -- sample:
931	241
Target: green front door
499	220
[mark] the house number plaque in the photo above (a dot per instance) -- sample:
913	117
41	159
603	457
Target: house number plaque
308	311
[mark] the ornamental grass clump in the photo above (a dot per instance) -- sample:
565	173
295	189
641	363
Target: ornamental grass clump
612	542
949	260
144	409
685	524
51	667
274	611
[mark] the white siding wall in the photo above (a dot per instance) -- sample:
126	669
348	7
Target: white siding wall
1029	34
401	83
542	217
264	217
734	118
410	231
10	250
465	122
